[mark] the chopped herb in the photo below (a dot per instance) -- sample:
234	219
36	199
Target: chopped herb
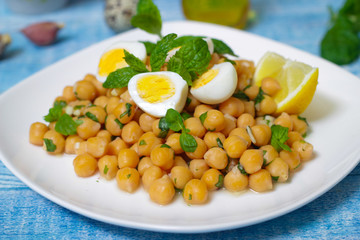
78	107
241	95
66	125
190	196
264	159
188	101
175	179
185	115
165	146
259	97
297	166
203	117
142	142
275	179
304	135
219	143
241	169
220	182
248	86
178	189
121	125
50	146
92	116
267	164
128	176
127	111
106	169
303	119
279	135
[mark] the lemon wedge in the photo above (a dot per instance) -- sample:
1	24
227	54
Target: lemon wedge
298	81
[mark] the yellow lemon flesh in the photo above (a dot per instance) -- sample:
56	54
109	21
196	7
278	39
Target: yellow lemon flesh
298	81
155	88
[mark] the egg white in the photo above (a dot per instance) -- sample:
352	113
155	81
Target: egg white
177	101
220	88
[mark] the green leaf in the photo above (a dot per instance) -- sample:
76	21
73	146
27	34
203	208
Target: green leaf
176	64
279	135
164	127
160	52
188	101
142	142
135	63
183	39
50	146
219	143
119	78
106	169
174	120
241	169
127	111
220	182
185	115
221	48
241	95
203	117
165	146
149	47
148	17
92	116
78	107
119	123
55	112
303	119
66	125
187	142
275	179
259	97
351	10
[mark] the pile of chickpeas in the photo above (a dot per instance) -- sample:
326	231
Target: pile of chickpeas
233	142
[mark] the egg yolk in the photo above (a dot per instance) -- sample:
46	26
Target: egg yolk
111	60
205	78
155	88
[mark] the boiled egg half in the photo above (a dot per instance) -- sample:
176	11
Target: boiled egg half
156	92
113	57
215	85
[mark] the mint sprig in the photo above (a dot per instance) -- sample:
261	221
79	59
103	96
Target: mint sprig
148	17
160	52
119	78
135	63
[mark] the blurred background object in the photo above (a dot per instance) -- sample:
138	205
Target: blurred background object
232	13
118	14
35	6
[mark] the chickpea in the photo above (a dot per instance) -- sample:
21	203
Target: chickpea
127	158
79	107
270	86
216	158
97	146
144	164
200	109
213	179
249	107
235	146
195	192
98	112
270	153
146	121
267	106
115	146
252	91
60	98
174	142
214	121
235	181
97	84
84	90
113	102
124	112
150	175
108	167
265	120
293	137
54	142
36	133
260	181
198	167
85	165
68	94
191	103
180	175
291	158
101	101
128	179
245	120
162	157
179	161
279	169
135	147
131	132
71	142
241	132
104	134
115	92
211	139
230	124
113	125
252	160
147	142
200	149
233	106
195	127
138	113
304	149
162	191
262	134
125	96
284	120
88	128
81	148
299	125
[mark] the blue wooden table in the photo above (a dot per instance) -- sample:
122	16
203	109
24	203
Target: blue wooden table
26	214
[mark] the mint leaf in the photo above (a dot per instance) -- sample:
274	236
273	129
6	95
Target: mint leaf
174	120
66	125
148	17
149	47
176	64
55	112
135	63
185	115
50	146
183	39
160	52
221	48
119	78
187	142
164	127
279	135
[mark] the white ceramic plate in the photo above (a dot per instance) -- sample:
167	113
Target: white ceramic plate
333	115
